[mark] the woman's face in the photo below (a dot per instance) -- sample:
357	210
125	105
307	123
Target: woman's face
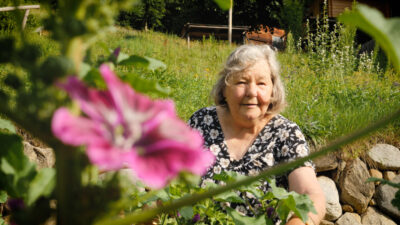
248	94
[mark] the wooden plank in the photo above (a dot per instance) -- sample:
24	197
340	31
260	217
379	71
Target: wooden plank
206	26
338	6
199	34
10	8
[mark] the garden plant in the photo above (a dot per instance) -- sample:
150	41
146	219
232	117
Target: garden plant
112	124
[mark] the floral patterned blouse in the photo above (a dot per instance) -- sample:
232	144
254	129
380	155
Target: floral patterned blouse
279	141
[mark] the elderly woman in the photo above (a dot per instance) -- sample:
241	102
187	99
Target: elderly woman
247	134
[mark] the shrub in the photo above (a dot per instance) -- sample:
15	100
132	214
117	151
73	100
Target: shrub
291	17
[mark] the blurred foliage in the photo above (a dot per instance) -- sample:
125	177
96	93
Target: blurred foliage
172	15
291	16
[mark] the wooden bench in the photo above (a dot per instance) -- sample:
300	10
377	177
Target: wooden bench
198	31
23	7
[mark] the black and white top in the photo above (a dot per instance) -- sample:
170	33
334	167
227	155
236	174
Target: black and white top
279	141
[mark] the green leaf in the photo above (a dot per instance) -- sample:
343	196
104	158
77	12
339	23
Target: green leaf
12	152
42	185
227	176
278	192
94	78
253	189
186	212
135	60
155	64
7	125
229	196
84	70
3	196
396	201
283	210
145	85
121	57
143	62
246	220
303	205
224	4
163	195
386	32
16	170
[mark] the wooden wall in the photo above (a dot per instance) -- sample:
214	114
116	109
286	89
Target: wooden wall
335	7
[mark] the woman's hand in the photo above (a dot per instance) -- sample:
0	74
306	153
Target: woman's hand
304	181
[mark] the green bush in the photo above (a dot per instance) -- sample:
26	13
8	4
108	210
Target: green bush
146	14
291	17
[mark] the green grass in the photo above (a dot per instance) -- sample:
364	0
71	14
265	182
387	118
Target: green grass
325	105
191	72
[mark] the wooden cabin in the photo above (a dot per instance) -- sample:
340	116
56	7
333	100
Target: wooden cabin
335	7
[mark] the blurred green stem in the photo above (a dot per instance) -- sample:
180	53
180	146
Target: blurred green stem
74	51
146	215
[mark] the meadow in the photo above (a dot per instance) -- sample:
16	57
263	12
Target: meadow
326	100
327	95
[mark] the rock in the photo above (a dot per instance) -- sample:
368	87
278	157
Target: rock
333	208
347	208
326	163
374	217
384	195
385	157
354	190
326	222
377	174
389	175
349	219
337	173
372	202
42	157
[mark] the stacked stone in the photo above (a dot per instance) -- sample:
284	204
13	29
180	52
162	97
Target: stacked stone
350	200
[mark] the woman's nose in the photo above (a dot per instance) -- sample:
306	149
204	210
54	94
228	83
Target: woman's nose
252	90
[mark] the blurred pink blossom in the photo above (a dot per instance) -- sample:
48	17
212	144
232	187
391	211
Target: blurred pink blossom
125	129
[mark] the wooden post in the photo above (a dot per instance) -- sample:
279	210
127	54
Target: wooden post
25	19
230	24
188	39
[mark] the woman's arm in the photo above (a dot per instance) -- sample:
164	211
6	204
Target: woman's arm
304	181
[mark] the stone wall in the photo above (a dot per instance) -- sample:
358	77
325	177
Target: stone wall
352	201
349	199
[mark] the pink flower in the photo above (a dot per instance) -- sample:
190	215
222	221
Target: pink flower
126	129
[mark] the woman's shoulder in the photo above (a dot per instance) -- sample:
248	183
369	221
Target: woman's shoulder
279	121
206	113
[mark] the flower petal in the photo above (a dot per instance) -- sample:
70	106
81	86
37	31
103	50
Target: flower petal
119	91
75	130
96	104
164	160
171	128
107	157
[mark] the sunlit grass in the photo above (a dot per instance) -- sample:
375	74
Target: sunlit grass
325	105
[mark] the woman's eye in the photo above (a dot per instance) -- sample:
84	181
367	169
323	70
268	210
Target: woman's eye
262	84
